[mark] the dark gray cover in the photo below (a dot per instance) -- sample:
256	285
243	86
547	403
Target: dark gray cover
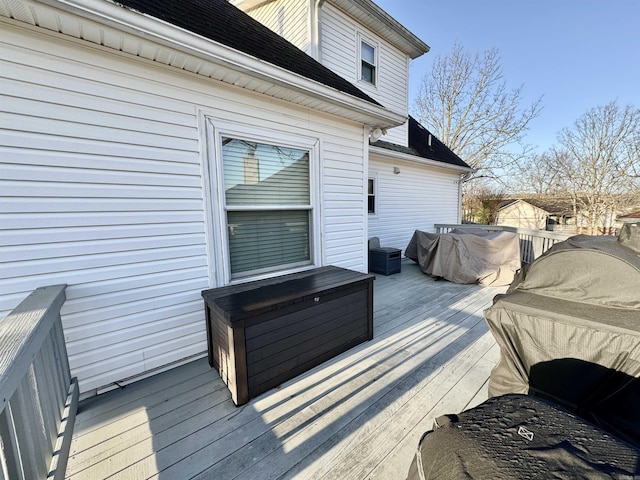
487	258
630	236
521	437
588	269
569	329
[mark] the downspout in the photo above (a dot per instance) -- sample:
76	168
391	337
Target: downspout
314	49
463	178
460	182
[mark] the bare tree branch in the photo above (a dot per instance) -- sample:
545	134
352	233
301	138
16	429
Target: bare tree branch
538	174
464	100
481	203
600	163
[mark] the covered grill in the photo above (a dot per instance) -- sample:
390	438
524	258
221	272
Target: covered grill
569	331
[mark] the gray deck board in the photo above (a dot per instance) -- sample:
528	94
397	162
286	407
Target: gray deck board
359	415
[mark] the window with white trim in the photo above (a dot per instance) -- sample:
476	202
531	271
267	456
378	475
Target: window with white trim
267	206
368	62
371	195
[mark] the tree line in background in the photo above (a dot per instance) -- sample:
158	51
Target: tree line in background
465	102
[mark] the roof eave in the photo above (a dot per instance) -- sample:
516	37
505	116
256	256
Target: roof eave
370	15
324	98
405	157
379	21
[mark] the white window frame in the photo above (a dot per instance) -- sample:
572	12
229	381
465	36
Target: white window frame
376	66
215	130
373	177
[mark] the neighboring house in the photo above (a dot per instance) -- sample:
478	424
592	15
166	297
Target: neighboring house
541	213
522	214
558	214
563	217
414	180
633	217
133	134
561	214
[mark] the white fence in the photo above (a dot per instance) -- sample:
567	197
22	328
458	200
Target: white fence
37	394
533	243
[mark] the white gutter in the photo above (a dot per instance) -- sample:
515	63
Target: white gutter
146	26
405	157
315	7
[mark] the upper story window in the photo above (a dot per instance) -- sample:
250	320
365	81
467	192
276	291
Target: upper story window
368	62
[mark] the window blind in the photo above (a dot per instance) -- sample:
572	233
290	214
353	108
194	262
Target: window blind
268	207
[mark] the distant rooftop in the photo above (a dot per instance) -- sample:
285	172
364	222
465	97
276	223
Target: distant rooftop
552	205
633	216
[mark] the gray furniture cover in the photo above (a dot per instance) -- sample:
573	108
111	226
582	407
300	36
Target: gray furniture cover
467	256
569	330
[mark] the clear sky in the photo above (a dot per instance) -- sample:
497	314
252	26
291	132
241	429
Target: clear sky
577	54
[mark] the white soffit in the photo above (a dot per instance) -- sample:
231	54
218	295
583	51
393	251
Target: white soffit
386	154
377	20
110	25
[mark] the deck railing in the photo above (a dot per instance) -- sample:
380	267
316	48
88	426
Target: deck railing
37	394
533	243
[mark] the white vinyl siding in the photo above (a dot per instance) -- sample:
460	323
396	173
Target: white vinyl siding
289	19
522	214
344	191
340	45
414	199
102	188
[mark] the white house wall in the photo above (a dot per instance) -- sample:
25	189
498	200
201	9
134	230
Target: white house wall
339	52
522	215
339	44
415	199
102	188
288	18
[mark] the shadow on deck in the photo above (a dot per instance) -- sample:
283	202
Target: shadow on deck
359	415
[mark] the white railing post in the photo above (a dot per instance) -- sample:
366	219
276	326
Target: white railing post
38	397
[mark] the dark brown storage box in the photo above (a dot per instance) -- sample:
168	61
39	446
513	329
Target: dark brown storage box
263	333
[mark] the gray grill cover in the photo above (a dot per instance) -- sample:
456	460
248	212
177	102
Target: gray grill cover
569	330
520	437
487	258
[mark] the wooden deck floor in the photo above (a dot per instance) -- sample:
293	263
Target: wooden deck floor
357	416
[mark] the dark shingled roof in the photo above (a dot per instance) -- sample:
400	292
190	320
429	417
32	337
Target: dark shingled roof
222	22
419	146
511	201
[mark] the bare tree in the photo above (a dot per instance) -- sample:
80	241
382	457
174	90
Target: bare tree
635	151
480	204
538	174
465	102
601	161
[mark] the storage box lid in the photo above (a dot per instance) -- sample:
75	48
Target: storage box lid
238	302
